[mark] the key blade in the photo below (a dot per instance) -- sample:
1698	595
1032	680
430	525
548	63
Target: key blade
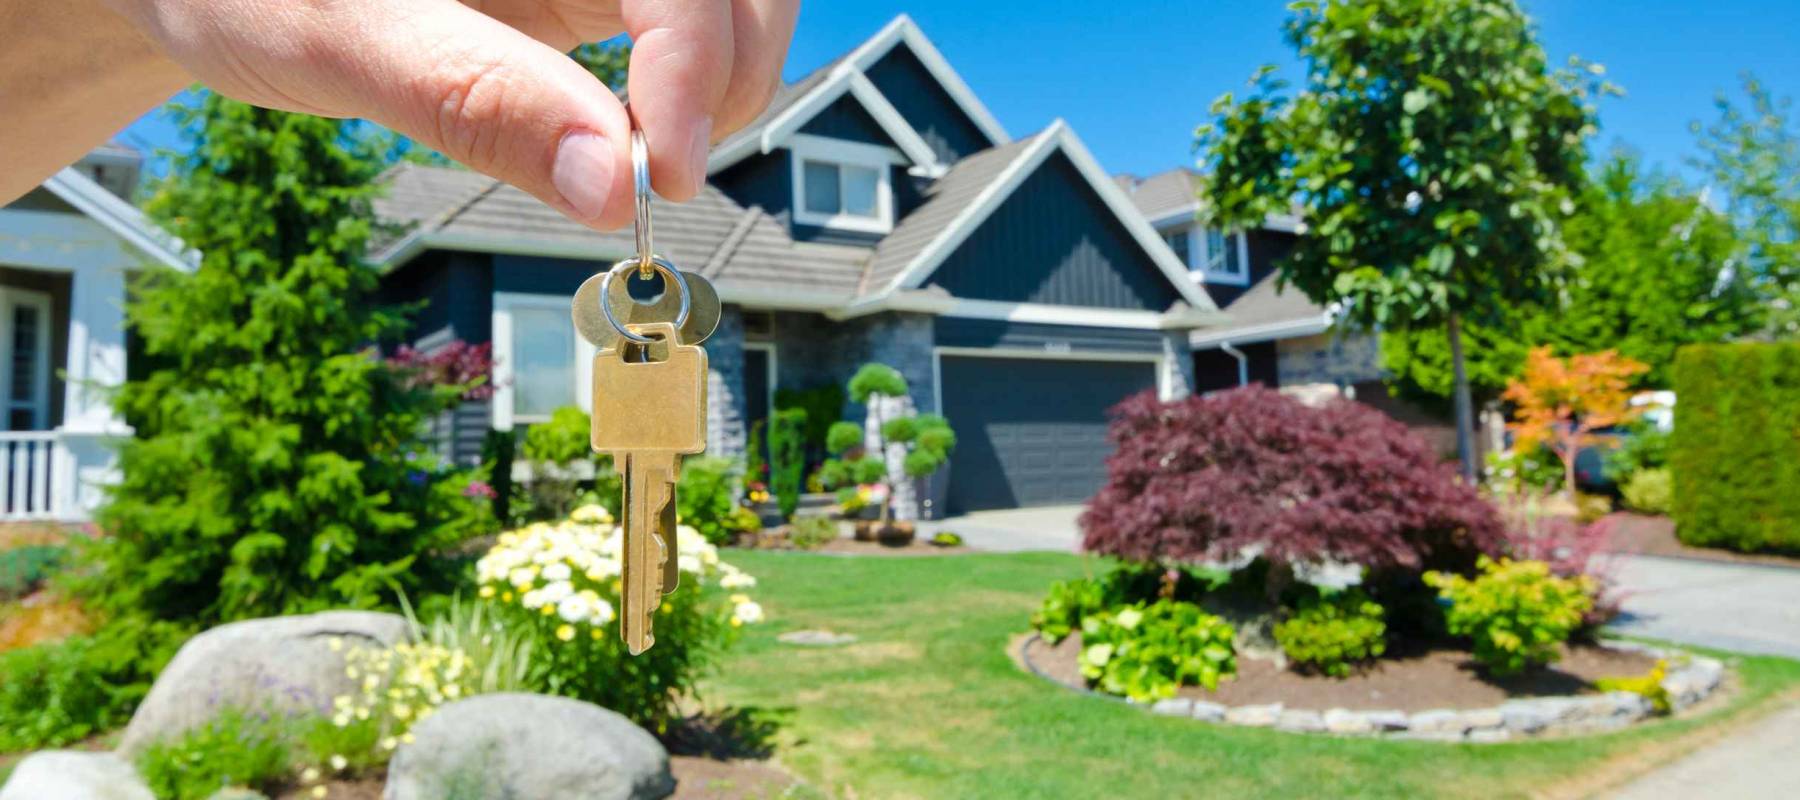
649	489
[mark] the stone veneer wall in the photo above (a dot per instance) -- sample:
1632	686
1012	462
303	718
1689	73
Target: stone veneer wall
725	408
811	350
1340	359
1179	356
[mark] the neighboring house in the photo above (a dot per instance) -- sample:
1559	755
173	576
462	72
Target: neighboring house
875	212
65	249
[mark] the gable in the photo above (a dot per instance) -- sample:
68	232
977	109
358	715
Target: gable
926	106
846	119
1055	241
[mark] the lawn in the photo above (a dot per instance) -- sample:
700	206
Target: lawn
928	704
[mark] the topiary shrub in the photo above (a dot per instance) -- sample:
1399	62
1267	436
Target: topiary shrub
1735	455
1207	478
1334	633
1517	612
787	458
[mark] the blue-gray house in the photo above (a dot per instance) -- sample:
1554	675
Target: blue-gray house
875	212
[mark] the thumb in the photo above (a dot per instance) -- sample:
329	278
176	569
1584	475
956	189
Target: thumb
502	103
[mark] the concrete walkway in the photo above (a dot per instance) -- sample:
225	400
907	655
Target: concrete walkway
1015	530
1757	761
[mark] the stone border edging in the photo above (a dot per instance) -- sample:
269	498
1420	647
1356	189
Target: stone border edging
1688	683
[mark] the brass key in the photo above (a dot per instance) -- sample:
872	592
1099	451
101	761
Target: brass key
649	410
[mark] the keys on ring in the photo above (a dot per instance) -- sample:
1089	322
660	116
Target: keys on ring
650	378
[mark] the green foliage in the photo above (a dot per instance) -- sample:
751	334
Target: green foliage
1648	686
1515	470
876	379
277	464
811	533
1645	446
24	569
787	458
1431	149
703	496
610	61
1147	652
1125	583
1650	491
756	462
60	692
823	405
900	429
562	441
1333	633
742	520
947	539
1736	450
1753	157
499	658
1067	604
843	436
236	748
1517	612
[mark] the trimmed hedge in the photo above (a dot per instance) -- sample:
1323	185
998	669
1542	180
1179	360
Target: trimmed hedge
1736	450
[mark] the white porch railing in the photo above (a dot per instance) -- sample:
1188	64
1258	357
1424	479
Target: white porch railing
33	477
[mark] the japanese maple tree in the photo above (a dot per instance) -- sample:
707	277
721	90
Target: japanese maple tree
1559	403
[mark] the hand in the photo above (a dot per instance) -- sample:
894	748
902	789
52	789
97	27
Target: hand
486	82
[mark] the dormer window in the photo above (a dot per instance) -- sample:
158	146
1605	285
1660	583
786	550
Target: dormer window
1212	255
843	185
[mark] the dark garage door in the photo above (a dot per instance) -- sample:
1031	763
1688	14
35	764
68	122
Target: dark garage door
1031	431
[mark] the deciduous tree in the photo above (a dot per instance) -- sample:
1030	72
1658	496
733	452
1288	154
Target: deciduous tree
1558	403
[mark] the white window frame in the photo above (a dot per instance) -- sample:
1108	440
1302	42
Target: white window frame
502	320
1201	258
806	147
39	402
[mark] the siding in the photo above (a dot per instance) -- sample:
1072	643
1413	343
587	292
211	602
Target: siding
964	332
1055	241
766	181
455	289
846	119
1267	248
544	275
922	101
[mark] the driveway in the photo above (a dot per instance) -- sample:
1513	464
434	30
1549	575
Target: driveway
1016	530
1746	608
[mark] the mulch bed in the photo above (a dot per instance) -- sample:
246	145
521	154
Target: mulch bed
1655	536
1410	681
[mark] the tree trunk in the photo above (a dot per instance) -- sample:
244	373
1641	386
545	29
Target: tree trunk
1465	406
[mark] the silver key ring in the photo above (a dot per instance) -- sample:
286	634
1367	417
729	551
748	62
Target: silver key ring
672	281
640	179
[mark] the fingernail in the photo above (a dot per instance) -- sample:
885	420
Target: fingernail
701	148
583	172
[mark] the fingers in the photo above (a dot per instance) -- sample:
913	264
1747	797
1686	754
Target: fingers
493	98
761	30
681	55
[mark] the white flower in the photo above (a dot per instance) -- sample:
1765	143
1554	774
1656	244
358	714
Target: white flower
558	571
573	608
591	515
688	563
339	763
748	612
601	612
555	592
735	579
532	599
522	577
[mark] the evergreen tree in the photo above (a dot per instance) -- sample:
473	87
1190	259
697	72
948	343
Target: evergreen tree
277	465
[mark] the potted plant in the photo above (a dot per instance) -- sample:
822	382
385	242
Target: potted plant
890	453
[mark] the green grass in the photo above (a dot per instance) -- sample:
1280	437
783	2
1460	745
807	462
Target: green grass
928	704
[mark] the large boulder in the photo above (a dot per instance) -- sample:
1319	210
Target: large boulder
74	775
505	746
281	664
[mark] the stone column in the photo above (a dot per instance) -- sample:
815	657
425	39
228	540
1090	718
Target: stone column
725	406
1177	380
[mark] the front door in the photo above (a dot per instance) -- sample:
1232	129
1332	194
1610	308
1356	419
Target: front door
25	359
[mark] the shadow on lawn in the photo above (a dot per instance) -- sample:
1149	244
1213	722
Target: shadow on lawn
734	733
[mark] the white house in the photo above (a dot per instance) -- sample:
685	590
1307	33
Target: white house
65	250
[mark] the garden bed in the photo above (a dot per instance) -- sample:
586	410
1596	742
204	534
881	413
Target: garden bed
1431	693
1639	534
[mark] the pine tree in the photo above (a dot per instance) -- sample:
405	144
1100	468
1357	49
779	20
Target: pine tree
277	465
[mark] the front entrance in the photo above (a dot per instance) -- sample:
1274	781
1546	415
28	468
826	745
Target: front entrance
25	359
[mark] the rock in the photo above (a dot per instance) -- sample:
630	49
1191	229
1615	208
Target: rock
1209	711
1629	706
1526	716
496	746
284	664
1345	721
74	775
816	638
237	793
1438	721
1489	735
1481	718
1261	716
1173	707
1388	720
1299	721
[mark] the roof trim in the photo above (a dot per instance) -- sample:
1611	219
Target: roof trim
1254	334
122	218
903	28
1057	138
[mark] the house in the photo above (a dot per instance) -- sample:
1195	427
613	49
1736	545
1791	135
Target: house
876	211
66	249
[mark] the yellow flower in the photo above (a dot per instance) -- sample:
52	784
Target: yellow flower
318	791
486	592
548	609
737	623
596	633
506	597
565	632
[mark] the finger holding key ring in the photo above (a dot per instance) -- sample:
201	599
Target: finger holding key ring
672	281
640	178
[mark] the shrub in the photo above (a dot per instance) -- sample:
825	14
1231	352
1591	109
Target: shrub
1591	508
555	449
1648	686
1071	601
1558	403
756	463
236	748
1572	550
923	440
947	539
811	533
1646	446
1649	490
1517	612
1735	455
23	569
787	458
1334	633
1517	471
558	585
823	405
1145	652
41	618
704	497
1206	478
1067	604
56	693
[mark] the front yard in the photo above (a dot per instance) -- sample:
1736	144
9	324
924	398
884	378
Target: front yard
928	704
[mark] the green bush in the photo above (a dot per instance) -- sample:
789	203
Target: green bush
1517	612
1735	455
811	533
554	449
1146	653
1067	604
823	405
56	693
236	748
1333	633
24	569
787	458
756	462
704	497
1645	447
1649	490
1648	686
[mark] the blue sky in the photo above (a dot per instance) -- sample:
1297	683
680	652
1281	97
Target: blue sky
1134	81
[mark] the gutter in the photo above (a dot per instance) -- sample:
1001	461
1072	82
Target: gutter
1243	361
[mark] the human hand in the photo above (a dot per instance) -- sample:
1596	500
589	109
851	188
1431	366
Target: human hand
486	82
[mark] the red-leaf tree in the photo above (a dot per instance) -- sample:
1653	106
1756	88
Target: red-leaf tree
1560	402
1252	470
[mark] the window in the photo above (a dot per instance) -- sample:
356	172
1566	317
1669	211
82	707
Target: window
1224	258
543	362
844	185
1178	241
25	359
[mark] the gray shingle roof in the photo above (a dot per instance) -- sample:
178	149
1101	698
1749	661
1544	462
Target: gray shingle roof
1261	308
1161	194
944	201
785	97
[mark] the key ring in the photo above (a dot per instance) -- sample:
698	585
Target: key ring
640	179
672	281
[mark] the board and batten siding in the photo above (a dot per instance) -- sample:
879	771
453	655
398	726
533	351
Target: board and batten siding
924	104
457	290
1049	338
846	119
1055	241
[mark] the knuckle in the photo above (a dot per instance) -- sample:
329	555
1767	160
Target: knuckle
471	104
748	103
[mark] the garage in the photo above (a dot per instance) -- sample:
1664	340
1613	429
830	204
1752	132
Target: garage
1031	431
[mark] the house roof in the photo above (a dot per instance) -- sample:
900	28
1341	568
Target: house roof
1173	195
120	217
948	198
1264	313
